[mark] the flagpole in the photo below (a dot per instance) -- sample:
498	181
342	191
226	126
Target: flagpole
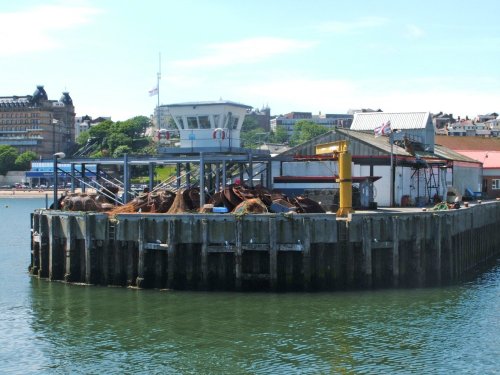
158	76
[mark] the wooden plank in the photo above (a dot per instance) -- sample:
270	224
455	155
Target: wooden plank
290	247
221	249
255	276
155	246
382	244
255	247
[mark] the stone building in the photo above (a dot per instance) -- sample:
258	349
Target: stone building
36	123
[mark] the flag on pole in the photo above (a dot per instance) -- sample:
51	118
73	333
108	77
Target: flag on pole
153	92
383	129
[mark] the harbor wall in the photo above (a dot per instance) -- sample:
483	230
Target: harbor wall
278	252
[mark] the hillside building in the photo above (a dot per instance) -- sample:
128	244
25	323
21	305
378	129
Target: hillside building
36	123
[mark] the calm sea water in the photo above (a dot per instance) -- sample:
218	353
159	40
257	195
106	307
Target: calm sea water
60	329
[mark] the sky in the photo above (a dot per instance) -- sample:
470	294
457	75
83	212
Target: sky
313	56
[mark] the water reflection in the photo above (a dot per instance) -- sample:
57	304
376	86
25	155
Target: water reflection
93	329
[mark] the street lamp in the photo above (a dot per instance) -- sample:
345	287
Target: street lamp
57	155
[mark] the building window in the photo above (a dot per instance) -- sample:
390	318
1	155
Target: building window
204	122
192	123
495	184
235	120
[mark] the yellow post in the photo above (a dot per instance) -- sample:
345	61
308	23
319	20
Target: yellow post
339	148
345	184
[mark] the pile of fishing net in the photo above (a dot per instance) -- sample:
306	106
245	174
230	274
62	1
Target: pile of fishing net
235	198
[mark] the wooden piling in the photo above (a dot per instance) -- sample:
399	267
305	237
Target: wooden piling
69	252
238	254
306	254
395	251
367	252
140	260
204	254
273	253
171	250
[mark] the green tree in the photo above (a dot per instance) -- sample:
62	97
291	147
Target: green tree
115	140
101	130
23	161
280	135
121	150
253	138
249	123
83	138
107	136
304	131
8	156
134	127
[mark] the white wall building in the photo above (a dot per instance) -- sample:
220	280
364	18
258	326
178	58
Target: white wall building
208	124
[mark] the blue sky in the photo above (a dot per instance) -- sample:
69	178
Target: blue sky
316	56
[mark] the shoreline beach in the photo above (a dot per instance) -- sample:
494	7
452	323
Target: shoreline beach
33	193
24	193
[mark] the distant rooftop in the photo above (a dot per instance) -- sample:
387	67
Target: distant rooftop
399	120
208	103
469	143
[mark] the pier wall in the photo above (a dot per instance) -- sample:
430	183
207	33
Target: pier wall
264	252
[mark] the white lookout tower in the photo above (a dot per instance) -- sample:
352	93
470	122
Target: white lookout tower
209	125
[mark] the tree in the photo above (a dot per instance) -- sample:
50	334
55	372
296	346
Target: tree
107	136
280	135
249	123
8	156
23	161
304	131
115	140
134	127
253	138
121	150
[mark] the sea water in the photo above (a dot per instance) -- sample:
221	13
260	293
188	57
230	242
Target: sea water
54	328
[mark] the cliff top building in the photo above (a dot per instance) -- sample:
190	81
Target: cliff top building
35	123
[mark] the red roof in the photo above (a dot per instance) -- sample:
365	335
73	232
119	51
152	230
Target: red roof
490	159
468	143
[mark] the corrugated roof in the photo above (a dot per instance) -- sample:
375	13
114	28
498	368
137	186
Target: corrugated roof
380	143
449	154
399	120
469	143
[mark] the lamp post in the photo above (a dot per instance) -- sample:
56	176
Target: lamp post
57	155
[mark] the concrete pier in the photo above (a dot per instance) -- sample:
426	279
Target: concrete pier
278	252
